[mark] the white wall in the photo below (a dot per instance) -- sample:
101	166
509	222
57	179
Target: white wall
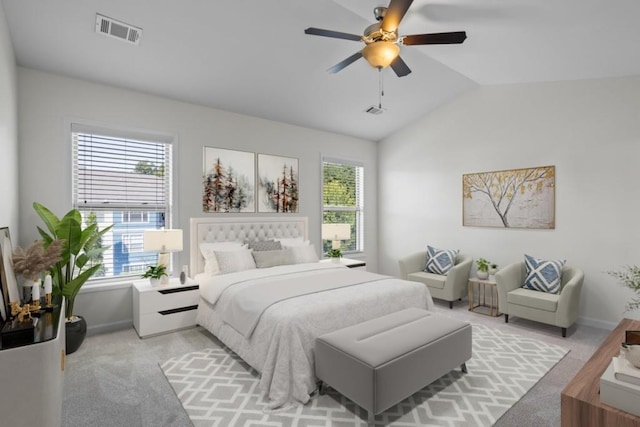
8	133
590	130
46	102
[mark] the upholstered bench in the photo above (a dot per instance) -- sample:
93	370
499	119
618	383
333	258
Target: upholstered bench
380	362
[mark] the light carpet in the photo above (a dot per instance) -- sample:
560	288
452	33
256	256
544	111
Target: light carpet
217	388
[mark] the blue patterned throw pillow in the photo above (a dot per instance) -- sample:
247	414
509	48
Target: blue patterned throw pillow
439	261
543	276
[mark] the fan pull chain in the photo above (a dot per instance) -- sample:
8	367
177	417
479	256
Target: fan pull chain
380	87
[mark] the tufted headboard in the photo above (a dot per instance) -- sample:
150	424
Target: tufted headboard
216	229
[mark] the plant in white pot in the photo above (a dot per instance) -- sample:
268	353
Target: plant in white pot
155	273
80	260
334	254
483	268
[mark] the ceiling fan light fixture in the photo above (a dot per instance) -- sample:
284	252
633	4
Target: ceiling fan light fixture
380	54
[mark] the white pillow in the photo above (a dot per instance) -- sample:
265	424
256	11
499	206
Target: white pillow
293	241
208	252
304	254
232	261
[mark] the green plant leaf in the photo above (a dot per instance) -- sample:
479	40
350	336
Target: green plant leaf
49	218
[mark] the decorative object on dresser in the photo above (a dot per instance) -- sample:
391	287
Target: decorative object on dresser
516	198
521	291
228	181
163	242
155	274
582	399
81	259
630	277
278	186
450	286
163	309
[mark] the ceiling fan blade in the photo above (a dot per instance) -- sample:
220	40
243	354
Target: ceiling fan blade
340	65
395	13
435	38
400	67
334	34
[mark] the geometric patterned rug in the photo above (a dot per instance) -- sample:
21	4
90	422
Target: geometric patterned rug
217	388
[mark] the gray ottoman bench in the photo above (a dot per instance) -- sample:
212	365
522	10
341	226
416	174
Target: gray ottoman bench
380	362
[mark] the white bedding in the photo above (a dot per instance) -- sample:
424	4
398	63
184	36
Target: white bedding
281	346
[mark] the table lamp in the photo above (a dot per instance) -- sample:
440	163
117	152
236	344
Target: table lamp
163	242
336	233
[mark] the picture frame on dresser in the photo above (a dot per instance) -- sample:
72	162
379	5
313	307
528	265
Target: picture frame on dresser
10	290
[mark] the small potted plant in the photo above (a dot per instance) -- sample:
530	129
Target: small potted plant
493	269
155	273
630	277
483	268
334	254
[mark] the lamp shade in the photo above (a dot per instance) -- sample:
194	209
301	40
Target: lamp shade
162	240
336	231
380	54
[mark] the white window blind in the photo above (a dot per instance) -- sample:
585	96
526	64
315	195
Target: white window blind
343	200
125	182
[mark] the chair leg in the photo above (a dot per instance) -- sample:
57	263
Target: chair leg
463	368
450	305
370	419
321	388
506	318
564	332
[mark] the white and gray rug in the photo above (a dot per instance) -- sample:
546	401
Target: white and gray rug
217	388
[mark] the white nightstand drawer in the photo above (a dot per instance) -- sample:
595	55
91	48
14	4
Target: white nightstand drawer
156	323
160	299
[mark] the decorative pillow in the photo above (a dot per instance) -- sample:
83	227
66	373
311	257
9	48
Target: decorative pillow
304	254
265	245
265	259
208	253
230	262
543	276
293	241
440	261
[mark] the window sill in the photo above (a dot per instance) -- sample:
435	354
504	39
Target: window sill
107	286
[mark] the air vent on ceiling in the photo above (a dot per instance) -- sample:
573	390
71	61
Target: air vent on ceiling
374	110
116	29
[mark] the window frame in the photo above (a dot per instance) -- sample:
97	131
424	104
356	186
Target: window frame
75	125
359	209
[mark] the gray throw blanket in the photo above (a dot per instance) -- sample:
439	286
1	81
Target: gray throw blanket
244	311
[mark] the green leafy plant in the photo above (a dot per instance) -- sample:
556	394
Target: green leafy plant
155	271
334	253
483	264
80	257
630	277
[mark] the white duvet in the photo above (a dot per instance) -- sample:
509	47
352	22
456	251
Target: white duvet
281	346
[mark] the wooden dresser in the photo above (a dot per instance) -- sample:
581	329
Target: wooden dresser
580	400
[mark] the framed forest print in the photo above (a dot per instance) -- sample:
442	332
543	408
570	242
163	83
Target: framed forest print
228	181
516	198
277	184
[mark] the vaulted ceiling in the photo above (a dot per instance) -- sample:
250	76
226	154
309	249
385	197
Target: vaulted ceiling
252	56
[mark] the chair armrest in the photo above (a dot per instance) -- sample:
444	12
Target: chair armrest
458	276
507	279
569	301
412	264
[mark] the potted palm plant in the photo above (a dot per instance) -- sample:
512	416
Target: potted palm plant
79	260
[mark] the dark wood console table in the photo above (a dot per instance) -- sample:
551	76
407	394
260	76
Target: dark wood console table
580	400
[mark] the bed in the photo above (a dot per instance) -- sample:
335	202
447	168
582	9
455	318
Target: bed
278	341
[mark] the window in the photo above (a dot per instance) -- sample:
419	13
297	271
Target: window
125	181
343	200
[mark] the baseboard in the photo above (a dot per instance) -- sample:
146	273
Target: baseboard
109	327
596	323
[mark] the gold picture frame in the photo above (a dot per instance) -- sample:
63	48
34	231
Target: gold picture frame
514	198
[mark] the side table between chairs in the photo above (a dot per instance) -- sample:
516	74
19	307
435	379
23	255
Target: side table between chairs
479	288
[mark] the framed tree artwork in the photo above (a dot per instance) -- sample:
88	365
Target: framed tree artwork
228	181
277	184
516	198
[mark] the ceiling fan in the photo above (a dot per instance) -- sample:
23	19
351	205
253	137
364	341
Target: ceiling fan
381	39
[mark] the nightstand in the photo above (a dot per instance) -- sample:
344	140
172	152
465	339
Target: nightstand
165	308
348	262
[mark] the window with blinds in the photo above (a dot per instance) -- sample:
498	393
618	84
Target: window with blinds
343	200
125	182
